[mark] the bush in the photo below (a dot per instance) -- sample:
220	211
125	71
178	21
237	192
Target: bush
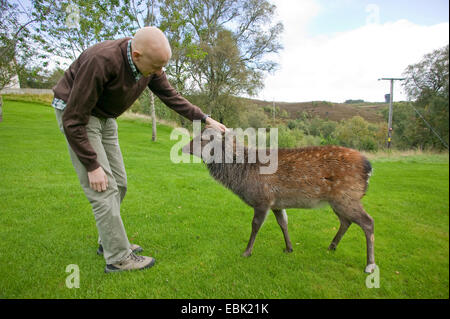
291	125
358	134
310	140
368	144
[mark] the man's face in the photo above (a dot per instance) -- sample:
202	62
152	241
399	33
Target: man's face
148	65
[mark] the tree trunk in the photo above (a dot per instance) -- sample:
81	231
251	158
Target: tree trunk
152	102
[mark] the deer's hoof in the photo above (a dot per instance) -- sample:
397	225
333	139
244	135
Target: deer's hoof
332	247
246	254
288	250
370	268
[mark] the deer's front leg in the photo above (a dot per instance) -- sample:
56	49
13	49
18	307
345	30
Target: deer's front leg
258	220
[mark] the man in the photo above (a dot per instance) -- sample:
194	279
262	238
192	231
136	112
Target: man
100	85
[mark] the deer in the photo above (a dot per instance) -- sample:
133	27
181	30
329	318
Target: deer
306	177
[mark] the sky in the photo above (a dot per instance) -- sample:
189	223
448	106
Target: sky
335	50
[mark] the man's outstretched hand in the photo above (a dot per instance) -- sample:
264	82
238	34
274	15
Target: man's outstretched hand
216	125
98	180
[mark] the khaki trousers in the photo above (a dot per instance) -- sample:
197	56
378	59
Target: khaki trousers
102	134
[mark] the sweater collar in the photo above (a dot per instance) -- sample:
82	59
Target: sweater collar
136	74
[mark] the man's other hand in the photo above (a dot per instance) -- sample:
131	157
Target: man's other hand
98	180
216	125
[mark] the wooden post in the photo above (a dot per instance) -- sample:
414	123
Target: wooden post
152	101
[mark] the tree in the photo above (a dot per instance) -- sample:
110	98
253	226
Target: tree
143	15
226	43
427	84
184	49
70	27
73	26
39	77
15	48
181	39
429	77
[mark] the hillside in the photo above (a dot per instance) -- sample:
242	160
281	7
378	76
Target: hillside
325	110
328	110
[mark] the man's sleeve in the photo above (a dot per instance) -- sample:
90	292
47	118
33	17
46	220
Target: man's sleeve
166	93
86	89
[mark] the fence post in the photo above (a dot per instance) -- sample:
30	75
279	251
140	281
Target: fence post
152	104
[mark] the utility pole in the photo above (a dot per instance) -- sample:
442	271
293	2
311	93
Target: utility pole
391	98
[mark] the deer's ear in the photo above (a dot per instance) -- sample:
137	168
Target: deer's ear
188	148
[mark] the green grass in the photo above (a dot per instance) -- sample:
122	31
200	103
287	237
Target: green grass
197	230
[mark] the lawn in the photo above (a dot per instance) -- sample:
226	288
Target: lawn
196	229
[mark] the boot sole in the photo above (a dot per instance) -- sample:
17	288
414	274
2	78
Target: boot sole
109	270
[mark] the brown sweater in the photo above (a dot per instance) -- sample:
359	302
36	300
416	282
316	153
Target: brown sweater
100	83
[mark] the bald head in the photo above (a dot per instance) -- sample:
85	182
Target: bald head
150	50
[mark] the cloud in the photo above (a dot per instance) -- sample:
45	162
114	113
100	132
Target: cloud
296	17
345	65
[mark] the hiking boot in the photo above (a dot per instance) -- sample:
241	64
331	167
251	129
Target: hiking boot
132	262
134	248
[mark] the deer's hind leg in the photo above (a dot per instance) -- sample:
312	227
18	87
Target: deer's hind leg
282	220
352	211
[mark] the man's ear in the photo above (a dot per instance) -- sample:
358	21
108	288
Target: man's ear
136	54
